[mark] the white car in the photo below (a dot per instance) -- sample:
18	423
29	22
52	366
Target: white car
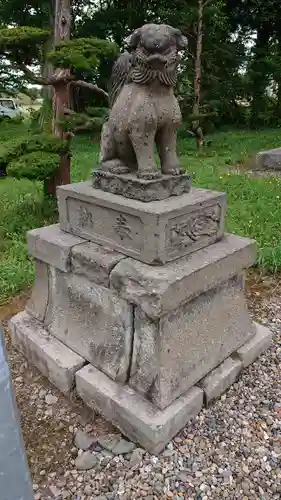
9	108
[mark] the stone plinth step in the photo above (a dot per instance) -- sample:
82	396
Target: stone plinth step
133	415
52	358
130	186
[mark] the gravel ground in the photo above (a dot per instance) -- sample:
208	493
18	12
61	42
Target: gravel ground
232	450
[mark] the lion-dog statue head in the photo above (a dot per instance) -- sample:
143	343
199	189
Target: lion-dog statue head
143	106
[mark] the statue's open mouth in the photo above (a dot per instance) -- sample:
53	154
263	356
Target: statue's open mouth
156	61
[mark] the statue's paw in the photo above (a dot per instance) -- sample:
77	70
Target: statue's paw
115	167
120	169
171	169
149	174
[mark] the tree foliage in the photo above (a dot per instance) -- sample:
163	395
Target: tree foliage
241	56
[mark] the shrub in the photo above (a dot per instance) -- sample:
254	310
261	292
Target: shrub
15	148
38	165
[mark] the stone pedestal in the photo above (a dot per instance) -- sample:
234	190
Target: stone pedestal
154	232
140	306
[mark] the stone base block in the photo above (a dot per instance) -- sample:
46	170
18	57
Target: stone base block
172	354
52	246
155	232
52	358
93	321
130	186
133	415
255	346
220	379
270	159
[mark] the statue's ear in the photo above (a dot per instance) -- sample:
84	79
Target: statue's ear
180	39
133	40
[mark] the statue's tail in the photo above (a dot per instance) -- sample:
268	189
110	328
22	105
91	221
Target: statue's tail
119	76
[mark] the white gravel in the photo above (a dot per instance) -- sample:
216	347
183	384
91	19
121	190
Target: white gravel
232	450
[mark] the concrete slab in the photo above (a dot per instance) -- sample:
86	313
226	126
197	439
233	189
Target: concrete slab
256	346
52	246
173	353
93	321
39	302
220	379
134	416
52	358
94	261
154	232
269	160
161	289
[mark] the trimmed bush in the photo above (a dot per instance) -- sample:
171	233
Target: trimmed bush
38	165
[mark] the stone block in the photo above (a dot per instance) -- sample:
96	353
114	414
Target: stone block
138	419
220	379
270	159
173	353
94	261
158	290
52	246
154	232
92	321
130	186
52	358
38	304
256	345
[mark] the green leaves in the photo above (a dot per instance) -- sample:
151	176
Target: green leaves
38	165
33	157
82	54
22	42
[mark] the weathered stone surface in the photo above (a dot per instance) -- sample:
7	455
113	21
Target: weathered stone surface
109	441
158	290
219	379
94	261
94	322
86	461
270	159
130	186
52	246
123	447
256	346
134	416
52	358
144	109
154	232
83	441
39	303
172	354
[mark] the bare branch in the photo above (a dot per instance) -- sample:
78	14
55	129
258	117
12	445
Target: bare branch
190	133
90	86
30	75
206	3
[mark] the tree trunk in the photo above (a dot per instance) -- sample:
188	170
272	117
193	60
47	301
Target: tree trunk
47	72
259	77
197	130
278	81
61	100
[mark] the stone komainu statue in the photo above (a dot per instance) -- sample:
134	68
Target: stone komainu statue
144	109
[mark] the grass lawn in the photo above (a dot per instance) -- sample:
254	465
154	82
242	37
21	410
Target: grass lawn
254	205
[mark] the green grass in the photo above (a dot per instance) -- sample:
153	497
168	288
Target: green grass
254	205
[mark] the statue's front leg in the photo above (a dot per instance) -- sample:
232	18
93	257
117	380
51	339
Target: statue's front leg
142	137
109	158
166	140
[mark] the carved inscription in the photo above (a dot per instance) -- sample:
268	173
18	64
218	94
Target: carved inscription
121	228
198	225
85	217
